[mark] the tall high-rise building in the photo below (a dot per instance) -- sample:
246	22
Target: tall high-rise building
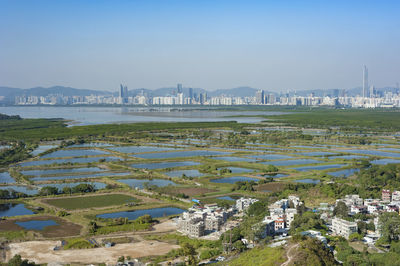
179	87
335	92
123	94
372	91
365	82
260	97
191	93
203	98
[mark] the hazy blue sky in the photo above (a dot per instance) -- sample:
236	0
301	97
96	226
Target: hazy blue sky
273	45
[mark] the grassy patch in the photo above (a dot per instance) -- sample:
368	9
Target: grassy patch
259	256
11	235
91	201
78	243
347	119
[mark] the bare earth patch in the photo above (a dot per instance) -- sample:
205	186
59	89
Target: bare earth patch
42	252
273	186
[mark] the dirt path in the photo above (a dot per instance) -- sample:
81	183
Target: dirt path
289	255
42	252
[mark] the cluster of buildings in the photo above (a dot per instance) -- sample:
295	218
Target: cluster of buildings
200	220
390	202
281	216
369	98
388	100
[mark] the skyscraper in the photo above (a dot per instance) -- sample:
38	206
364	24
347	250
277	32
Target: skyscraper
179	86
365	82
123	94
372	91
191	93
260	97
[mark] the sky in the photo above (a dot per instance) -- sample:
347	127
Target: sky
212	44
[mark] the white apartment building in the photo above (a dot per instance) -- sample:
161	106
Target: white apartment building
343	227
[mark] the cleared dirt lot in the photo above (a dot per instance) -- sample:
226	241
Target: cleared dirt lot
42	252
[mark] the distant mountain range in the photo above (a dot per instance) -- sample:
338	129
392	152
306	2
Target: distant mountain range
7	94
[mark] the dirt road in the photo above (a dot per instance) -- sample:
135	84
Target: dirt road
42	252
289	255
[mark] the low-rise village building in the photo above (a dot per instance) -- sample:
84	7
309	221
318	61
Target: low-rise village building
244	203
200	220
386	195
281	215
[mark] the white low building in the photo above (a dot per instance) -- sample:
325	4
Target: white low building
343	227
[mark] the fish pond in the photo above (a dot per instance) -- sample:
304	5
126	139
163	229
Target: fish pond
162	165
5	178
14	209
318	167
152	182
180	173
178	154
36	224
233	179
133	215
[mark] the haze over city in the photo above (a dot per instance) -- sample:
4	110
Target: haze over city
279	46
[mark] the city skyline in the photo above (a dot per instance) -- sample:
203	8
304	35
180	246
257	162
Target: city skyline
275	46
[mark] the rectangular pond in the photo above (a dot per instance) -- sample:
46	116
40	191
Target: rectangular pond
14	209
271	157
60	186
5	178
318	153
74	153
133	215
96	175
22	189
233	179
73	160
140	149
293	162
92	145
235	159
43	172
188	173
318	167
36	224
344	173
178	154
162	165
151	182
348	157
385	161
42	148
374	153
274	175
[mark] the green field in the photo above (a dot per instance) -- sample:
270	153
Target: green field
346	119
91	201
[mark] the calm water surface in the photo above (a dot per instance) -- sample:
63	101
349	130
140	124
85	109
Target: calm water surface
233	179
139	182
188	173
13	209
164	165
107	115
6	178
132	215
36	224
